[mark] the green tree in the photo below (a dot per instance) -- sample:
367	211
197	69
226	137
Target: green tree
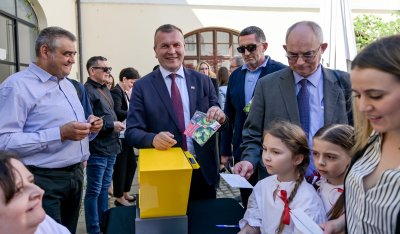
368	28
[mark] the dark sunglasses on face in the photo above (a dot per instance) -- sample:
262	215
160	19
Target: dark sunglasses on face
105	69
250	48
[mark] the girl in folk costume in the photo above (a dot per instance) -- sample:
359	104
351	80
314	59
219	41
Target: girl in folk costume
331	151
286	157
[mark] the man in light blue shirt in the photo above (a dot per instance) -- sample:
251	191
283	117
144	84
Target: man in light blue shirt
43	120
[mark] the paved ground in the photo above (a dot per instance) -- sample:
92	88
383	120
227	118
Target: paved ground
222	192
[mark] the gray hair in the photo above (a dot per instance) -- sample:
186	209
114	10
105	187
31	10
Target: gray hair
314	27
49	36
260	36
238	59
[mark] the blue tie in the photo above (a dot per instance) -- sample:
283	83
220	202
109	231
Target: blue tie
303	103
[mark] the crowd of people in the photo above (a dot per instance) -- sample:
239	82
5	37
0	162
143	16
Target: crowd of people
287	129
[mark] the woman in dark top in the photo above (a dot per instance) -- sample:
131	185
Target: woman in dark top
125	164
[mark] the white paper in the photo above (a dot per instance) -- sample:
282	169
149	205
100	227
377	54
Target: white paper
304	223
236	181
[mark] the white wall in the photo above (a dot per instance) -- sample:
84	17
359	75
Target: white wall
123	30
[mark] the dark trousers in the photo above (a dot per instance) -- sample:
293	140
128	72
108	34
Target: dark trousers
62	192
124	170
199	188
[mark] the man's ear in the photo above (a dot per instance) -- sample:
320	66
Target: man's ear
265	46
44	51
323	47
90	71
298	159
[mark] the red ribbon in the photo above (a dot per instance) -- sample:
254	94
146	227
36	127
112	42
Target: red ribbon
286	209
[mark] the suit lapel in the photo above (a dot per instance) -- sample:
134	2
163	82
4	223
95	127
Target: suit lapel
192	89
161	89
122	93
288	91
265	71
241	86
331	94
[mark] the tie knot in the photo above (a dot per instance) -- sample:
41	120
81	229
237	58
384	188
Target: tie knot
303	82
172	76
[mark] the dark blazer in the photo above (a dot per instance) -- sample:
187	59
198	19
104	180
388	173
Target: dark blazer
234	104
275	100
151	112
120	103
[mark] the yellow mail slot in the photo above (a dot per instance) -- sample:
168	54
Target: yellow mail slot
164	182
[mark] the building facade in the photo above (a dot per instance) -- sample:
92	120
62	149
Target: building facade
123	30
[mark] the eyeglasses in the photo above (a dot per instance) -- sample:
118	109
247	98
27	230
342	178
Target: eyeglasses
308	56
250	48
105	69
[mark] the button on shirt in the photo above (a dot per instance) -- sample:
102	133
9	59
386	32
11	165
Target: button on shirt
33	106
251	79
181	83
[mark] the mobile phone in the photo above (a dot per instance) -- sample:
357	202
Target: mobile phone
101	117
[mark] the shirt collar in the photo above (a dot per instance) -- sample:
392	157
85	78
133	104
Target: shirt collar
41	73
314	78
262	65
165	73
95	83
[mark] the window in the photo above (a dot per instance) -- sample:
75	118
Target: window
18	32
213	45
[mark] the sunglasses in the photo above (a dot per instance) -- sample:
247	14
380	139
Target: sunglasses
105	69
250	48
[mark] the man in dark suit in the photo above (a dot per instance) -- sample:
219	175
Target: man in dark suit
276	95
162	104
252	46
125	164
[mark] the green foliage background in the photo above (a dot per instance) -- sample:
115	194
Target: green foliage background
368	28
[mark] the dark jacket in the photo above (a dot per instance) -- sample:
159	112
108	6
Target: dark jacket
234	104
120	104
151	112
106	143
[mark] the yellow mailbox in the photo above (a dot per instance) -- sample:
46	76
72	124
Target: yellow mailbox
164	182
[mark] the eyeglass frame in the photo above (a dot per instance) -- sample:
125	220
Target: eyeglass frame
250	48
293	57
105	69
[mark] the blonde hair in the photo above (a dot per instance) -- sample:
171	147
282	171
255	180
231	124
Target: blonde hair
210	72
296	141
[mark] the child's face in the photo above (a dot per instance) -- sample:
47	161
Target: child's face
278	159
331	161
